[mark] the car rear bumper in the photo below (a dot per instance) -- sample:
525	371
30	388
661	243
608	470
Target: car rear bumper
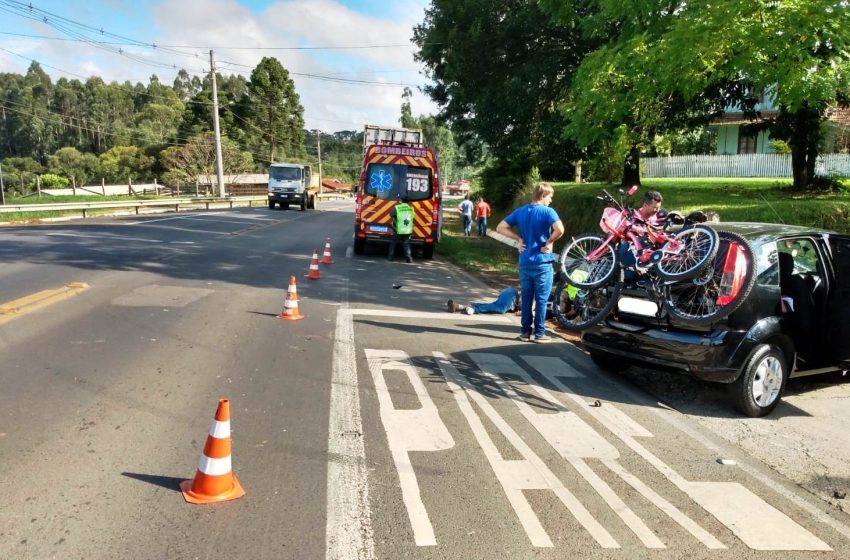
712	356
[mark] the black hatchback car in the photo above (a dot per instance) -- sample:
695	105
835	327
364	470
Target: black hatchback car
792	319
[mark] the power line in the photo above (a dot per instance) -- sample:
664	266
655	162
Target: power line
223	47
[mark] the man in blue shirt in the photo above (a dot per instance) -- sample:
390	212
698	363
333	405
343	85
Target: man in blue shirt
539	227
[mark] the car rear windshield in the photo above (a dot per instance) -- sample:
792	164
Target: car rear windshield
389	182
285	173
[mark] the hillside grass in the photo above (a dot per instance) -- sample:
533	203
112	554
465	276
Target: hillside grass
734	199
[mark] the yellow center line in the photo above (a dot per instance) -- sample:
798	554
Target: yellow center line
38	300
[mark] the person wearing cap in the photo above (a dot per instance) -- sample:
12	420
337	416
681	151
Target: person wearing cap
402	226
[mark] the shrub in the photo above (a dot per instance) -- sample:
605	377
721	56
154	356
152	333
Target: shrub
52	181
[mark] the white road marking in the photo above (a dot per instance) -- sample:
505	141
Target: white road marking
569	435
530	473
483	318
175	228
672	418
348	531
760	525
409	430
100	236
750	528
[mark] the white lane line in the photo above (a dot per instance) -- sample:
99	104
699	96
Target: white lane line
569	435
529	473
348	531
175	228
101	237
673	419
749	529
483	318
409	430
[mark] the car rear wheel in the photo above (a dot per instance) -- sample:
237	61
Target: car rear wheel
759	388
579	308
359	245
580	269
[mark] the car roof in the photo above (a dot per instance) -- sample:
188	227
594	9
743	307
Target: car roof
757	232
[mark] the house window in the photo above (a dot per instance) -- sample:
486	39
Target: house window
747	142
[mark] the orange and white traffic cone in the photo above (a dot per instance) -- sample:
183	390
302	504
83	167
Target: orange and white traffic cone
314	266
290	306
326	256
214	480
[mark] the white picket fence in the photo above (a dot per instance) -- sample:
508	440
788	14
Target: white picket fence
743	165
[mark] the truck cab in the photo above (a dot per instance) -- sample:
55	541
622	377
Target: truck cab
397	165
292	183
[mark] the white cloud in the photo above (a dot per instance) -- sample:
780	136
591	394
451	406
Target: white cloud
328	105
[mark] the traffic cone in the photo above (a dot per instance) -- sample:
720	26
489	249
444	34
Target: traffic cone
290	306
314	266
326	256
214	480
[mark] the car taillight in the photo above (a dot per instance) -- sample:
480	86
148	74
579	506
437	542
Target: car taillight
358	205
734	269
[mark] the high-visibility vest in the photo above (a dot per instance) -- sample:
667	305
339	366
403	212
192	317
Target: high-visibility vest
579	276
403	219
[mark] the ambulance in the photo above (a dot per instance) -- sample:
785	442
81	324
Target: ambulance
397	164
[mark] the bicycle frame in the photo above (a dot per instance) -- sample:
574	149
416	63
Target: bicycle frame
623	225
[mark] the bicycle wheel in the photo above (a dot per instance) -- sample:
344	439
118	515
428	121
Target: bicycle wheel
699	246
579	270
720	289
579	308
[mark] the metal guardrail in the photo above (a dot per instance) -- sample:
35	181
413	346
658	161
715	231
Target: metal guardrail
136	204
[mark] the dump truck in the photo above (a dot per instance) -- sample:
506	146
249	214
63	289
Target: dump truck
292	183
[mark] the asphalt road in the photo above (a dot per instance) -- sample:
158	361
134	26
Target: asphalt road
376	427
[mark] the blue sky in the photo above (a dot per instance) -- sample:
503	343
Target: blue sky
193	28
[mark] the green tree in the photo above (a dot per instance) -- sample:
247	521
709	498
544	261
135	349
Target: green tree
275	110
668	64
197	157
70	162
499	68
123	162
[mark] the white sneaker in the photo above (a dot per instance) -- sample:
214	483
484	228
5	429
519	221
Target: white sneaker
469	310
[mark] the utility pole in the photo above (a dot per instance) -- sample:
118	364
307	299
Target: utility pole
319	147
2	188
219	166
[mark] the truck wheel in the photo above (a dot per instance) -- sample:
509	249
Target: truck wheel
428	250
312	205
759	388
359	245
303	204
271	205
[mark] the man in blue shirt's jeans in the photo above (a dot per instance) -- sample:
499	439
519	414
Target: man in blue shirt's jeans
539	227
